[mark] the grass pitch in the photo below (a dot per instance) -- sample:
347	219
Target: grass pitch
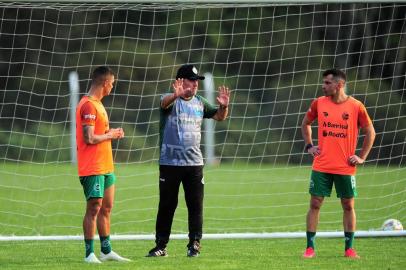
376	253
47	199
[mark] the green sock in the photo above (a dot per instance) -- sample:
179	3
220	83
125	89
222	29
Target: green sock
89	246
105	244
310	239
349	238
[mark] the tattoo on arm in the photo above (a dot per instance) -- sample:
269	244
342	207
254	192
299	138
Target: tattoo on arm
88	134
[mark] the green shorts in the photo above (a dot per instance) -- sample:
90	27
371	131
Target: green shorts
95	185
321	185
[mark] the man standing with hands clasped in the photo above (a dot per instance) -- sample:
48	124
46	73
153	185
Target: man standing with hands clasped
95	164
339	117
181	160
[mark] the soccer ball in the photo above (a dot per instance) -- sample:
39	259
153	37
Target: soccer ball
392	225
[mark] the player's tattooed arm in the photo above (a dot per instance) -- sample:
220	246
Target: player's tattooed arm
92	138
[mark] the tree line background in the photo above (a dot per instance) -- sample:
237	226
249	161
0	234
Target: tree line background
271	56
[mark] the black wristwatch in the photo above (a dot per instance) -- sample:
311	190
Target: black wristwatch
308	146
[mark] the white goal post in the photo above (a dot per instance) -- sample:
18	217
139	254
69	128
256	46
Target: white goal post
270	53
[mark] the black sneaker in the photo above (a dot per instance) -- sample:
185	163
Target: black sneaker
157	252
193	249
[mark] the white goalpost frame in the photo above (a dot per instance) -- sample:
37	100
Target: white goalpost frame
74	86
209	1
212	236
74	99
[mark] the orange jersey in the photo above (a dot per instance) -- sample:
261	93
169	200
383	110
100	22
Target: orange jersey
337	133
93	159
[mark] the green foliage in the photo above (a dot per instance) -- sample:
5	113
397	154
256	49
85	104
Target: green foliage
39	142
271	56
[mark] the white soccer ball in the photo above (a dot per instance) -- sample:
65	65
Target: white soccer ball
392	225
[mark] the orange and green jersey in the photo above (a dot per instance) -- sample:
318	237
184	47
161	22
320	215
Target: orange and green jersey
338	128
93	159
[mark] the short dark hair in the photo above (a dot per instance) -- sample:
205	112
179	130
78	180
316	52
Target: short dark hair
337	74
100	73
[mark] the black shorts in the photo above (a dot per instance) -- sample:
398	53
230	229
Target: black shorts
183	174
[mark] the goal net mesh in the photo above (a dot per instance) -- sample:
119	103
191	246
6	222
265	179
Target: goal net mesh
272	56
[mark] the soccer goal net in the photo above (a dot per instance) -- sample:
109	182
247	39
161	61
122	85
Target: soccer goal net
271	55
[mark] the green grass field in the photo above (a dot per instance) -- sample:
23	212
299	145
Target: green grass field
48	200
376	253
